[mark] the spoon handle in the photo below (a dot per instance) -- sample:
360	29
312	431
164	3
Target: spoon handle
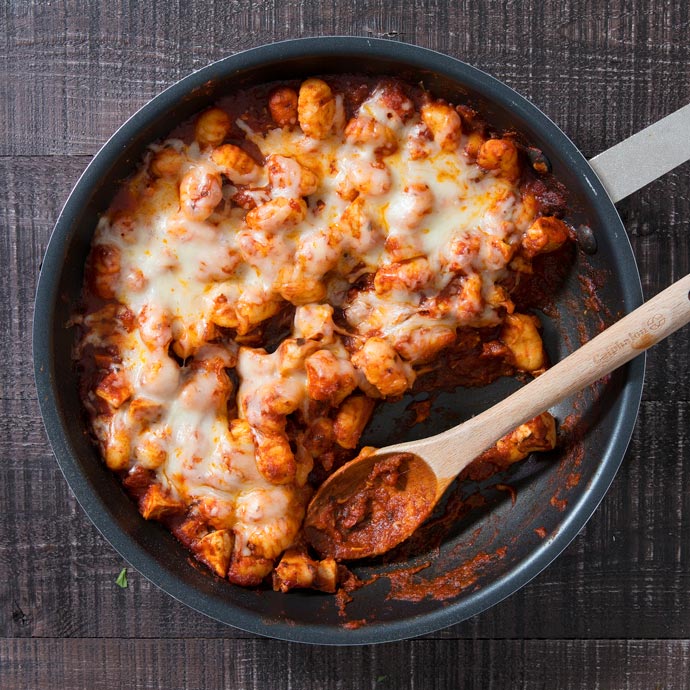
618	344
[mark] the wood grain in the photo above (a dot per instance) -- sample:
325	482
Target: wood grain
418	665
612	612
72	74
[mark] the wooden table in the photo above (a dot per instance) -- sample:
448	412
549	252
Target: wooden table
612	612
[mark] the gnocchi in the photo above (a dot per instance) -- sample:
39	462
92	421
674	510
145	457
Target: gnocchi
315	108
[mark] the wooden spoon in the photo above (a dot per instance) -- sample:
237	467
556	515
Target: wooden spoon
377	500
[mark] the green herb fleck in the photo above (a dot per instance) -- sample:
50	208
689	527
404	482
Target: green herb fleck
380	679
122	579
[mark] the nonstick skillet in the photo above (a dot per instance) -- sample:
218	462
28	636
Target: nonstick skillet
519	539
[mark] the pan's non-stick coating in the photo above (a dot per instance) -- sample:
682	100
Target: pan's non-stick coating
604	416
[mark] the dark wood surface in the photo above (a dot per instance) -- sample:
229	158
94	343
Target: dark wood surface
612	612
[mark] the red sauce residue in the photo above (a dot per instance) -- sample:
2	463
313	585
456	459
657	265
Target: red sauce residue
559	503
404	585
475	359
550	194
540	532
349	582
421	410
342	599
540	289
510	490
570	433
573	480
480	470
582	332
569	423
590	282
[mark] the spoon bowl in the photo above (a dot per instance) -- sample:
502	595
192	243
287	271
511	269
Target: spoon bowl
371	504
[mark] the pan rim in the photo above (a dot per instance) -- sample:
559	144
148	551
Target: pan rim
54	419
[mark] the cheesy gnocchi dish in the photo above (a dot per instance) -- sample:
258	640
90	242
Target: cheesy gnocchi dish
275	269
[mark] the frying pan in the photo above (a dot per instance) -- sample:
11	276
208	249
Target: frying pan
599	422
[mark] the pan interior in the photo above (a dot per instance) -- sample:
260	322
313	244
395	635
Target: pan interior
601	417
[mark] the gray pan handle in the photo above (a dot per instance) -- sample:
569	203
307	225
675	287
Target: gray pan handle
645	156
